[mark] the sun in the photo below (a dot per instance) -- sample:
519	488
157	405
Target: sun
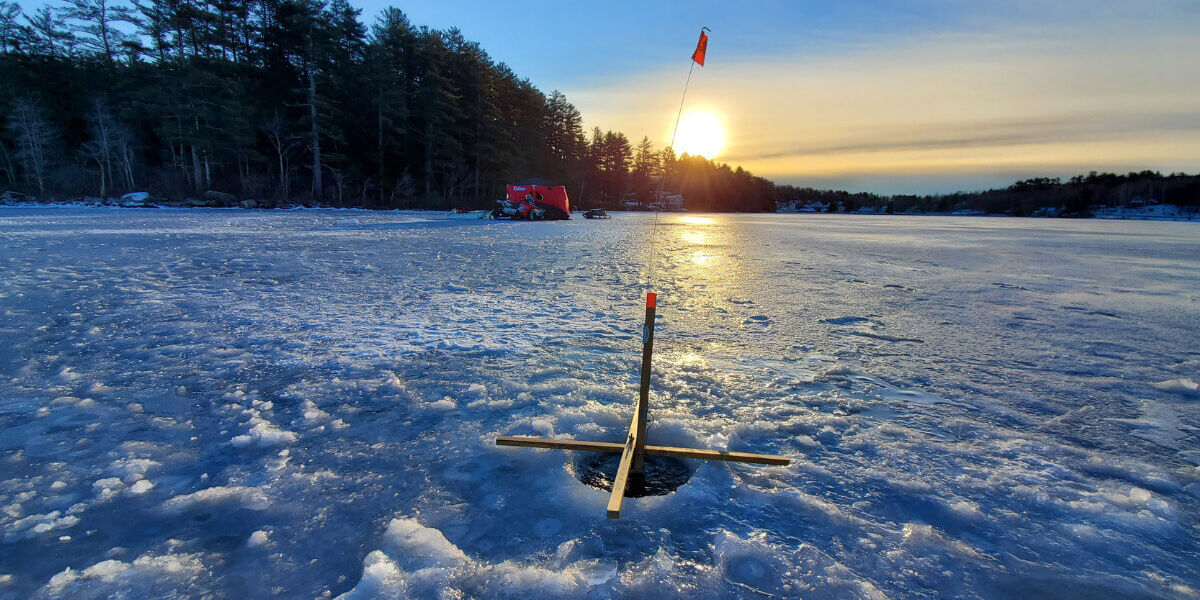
700	133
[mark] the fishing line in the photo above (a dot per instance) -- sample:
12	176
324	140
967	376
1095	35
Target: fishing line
662	180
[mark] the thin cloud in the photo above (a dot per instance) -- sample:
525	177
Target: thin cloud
1015	98
1025	132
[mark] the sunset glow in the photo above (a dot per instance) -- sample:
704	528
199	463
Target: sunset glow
700	133
967	102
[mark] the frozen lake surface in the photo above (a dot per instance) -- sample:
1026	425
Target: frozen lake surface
303	404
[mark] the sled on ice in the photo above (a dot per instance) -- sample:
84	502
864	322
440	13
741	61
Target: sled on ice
460	213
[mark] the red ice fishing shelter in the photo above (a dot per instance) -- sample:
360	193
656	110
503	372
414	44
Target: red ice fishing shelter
552	199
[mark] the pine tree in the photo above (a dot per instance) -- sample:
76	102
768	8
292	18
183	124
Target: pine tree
97	25
155	18
346	76
302	34
49	33
564	139
435	101
645	160
13	35
478	130
389	54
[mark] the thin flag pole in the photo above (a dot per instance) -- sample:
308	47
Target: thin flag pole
679	114
662	181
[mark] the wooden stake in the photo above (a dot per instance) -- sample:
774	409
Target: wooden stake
622	478
643	406
614	448
634	450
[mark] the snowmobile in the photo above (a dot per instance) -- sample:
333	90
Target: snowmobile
534	203
525	210
596	213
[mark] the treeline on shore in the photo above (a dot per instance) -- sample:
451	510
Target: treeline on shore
1046	196
284	102
279	102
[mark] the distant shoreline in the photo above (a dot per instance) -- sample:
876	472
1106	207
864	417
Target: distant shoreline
1103	214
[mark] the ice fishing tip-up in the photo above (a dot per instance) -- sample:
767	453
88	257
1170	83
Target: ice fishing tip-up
634	449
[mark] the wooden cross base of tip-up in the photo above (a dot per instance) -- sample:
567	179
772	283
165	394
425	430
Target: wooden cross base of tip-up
633	452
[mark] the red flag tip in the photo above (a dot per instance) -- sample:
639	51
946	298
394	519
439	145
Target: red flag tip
701	48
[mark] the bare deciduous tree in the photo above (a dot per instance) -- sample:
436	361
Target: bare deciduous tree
109	146
34	137
283	144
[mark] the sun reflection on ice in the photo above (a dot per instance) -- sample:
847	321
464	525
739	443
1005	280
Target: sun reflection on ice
691	358
700	266
697	238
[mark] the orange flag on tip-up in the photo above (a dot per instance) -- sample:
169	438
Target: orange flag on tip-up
701	48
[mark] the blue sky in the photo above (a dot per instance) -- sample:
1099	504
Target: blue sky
874	95
587	41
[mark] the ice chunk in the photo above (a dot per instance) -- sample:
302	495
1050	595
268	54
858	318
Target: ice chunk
247	497
392	381
148	576
1182	386
923	538
595	571
420	546
133	469
140	487
1139	495
966	509
419	561
443	404
37	524
313	414
108	487
381	578
263	434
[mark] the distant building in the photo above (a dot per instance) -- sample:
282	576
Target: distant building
796	206
666	201
669	201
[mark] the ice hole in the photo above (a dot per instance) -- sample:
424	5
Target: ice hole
663	474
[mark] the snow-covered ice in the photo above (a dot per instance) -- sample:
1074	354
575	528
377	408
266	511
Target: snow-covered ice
225	403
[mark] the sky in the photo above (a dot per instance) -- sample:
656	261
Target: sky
926	96
882	96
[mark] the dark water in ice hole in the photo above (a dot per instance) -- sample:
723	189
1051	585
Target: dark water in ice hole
663	474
